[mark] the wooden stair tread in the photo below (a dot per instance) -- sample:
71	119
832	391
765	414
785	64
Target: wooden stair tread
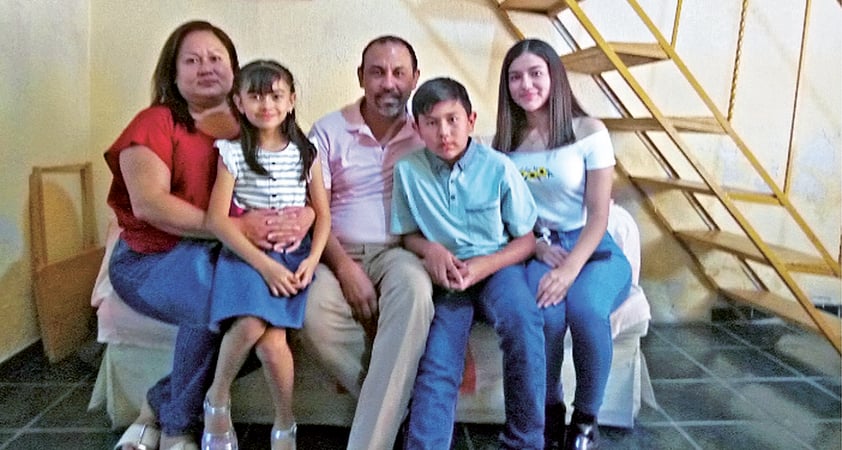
593	61
743	246
691	124
783	307
701	188
549	7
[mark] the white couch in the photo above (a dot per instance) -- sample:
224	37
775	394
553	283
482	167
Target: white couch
139	352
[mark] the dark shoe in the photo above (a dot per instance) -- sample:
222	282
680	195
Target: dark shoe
554	426
582	436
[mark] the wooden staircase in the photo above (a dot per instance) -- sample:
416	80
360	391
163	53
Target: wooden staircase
683	171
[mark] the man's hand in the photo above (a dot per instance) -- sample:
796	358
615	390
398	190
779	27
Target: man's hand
360	294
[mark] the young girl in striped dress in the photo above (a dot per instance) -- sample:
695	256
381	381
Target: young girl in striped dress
258	294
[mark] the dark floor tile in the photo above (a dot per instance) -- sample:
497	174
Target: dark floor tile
649	415
669	363
833	384
808	354
694	401
19	404
739	363
792	403
310	437
4	437
32	366
824	436
652	340
64	440
750	435
476	437
762	334
704	335
643	438
72	412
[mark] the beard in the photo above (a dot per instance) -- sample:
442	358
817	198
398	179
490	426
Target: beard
390	104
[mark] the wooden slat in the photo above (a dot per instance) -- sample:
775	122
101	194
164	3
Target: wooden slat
62	290
63	300
699	187
785	308
593	61
689	124
549	7
743	246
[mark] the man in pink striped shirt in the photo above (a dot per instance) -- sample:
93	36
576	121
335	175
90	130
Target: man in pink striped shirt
370	297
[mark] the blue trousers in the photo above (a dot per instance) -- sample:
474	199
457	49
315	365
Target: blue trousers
600	288
174	287
505	301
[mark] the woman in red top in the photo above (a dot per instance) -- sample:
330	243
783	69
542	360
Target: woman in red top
164	166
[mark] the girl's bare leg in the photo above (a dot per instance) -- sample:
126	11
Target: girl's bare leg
236	345
276	356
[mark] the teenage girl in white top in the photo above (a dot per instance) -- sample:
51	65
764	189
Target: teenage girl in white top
579	274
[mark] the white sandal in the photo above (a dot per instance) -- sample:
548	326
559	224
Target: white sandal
142	436
185	445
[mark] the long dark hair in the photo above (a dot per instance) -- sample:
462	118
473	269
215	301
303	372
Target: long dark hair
164	90
563	106
258	77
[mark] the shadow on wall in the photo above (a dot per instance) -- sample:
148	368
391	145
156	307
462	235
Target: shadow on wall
62	217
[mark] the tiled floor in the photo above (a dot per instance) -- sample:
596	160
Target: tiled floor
736	385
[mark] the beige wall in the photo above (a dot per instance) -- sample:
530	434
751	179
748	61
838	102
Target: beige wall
44	120
80	69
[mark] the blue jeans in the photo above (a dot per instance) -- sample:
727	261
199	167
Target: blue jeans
505	301
174	287
600	288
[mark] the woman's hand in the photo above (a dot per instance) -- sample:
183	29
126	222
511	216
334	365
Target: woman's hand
552	255
277	230
554	285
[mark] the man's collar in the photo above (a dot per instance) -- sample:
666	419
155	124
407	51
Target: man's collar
356	123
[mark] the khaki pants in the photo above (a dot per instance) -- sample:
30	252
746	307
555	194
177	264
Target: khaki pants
381	374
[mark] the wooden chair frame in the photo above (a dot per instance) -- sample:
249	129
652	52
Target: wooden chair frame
62	289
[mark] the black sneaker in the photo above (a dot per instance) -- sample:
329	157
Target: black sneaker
554	426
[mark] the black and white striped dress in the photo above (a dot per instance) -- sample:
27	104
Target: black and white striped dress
238	289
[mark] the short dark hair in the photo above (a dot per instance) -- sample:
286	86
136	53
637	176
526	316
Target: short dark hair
164	90
439	90
390	39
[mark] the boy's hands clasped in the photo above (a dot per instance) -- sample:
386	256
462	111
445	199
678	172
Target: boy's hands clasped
450	272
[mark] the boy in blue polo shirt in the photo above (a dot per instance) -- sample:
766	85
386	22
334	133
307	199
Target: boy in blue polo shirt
466	211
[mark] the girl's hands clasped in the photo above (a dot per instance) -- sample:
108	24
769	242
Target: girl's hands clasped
304	273
554	285
280	280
